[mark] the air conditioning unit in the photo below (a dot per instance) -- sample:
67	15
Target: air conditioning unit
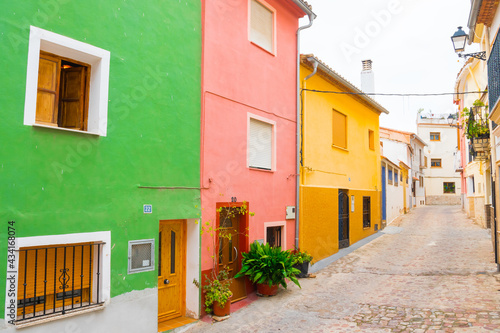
290	212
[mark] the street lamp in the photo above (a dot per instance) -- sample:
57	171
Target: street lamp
452	120
459	39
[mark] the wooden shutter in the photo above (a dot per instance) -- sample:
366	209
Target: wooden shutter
339	129
261	25
260	146
48	89
72	97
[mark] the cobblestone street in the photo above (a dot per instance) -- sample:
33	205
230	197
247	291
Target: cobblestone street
432	271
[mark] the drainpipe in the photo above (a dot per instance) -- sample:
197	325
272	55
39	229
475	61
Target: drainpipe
311	17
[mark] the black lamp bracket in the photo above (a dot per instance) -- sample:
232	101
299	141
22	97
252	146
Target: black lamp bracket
477	55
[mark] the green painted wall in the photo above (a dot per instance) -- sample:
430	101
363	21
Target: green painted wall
56	182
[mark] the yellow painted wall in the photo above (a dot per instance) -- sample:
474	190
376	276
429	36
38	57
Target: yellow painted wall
326	169
405	183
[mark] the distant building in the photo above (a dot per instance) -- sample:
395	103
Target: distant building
442	181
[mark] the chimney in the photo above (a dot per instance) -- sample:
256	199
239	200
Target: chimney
367	77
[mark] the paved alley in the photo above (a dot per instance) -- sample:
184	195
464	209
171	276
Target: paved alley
432	271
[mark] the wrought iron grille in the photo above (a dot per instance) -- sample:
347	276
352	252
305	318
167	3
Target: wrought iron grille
366	212
58	279
494	73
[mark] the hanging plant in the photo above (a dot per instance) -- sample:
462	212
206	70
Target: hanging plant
476	126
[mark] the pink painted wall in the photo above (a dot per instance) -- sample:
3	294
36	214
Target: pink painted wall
241	78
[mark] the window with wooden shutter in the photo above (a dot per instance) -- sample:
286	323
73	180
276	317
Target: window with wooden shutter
262	25
260	145
62	92
339	129
56	279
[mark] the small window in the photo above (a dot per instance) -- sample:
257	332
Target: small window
366	212
396	178
371	139
425	161
435	163
66	84
260	145
435	136
62	95
274	236
262	25
448	187
389	178
339	129
141	255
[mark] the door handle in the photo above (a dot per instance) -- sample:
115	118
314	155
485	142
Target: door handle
234	247
166	281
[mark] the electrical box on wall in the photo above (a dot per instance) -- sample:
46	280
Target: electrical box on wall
290	212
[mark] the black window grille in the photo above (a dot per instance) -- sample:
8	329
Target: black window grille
58	280
367	212
494	73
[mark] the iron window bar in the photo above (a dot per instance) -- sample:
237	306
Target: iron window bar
36	305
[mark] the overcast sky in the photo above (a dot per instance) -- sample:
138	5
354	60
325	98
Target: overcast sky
408	41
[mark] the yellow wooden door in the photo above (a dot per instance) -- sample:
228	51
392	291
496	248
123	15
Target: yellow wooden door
171	266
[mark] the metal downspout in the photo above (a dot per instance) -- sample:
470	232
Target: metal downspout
474	11
311	17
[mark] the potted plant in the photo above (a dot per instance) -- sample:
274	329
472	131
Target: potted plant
302	260
268	267
218	294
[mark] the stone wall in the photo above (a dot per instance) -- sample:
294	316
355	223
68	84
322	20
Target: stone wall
443	200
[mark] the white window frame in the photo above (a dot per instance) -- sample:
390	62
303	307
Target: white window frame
104	261
97	58
273	141
281	224
273	37
151	266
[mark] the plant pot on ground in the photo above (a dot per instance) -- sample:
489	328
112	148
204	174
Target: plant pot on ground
302	262
268	265
221	310
217	294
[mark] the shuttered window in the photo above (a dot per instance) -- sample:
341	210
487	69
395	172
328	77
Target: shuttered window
261	25
260	145
56	279
339	129
62	92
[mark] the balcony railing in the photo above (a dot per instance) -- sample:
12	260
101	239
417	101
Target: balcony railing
58	279
494	73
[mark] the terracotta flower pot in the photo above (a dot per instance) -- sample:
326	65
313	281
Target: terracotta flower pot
222	311
263	289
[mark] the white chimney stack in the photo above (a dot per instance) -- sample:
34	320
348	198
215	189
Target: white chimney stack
367	77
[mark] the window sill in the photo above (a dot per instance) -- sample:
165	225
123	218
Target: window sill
64	129
340	148
58	316
263	49
258	169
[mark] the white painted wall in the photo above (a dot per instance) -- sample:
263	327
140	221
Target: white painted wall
193	269
395	199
